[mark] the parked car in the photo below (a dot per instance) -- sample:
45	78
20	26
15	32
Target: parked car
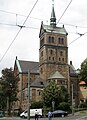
32	113
59	113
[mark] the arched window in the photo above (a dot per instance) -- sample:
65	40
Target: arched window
51	52
52	39
53	58
63	59
49	58
61	40
49	39
59	59
61	53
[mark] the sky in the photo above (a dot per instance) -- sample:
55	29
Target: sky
25	45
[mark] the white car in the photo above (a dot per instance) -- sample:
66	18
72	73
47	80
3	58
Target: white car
32	113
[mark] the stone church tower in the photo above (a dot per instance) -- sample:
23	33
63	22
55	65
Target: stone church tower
52	65
53	52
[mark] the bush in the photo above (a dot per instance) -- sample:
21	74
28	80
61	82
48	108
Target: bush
36	105
64	106
83	105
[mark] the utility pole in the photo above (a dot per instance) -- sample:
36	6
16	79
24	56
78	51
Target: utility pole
72	102
7	106
28	95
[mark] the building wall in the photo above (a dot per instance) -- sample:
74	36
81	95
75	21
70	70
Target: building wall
75	82
23	89
53	55
83	93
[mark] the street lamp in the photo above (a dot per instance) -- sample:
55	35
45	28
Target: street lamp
28	95
53	105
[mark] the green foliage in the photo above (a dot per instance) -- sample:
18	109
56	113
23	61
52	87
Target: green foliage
64	106
2	101
35	105
83	70
52	92
63	93
9	86
83	105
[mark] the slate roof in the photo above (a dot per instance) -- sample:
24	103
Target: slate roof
32	66
56	75
72	71
60	30
51	29
38	83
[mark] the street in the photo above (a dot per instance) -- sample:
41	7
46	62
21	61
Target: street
70	117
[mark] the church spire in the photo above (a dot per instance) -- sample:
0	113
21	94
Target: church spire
53	17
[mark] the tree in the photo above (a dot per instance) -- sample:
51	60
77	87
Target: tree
36	105
9	86
52	92
83	71
63	93
2	99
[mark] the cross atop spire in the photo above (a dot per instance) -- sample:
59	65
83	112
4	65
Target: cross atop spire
53	1
53	17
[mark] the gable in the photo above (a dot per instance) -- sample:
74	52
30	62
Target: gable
41	29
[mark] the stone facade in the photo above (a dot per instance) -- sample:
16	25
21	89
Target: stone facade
83	92
53	56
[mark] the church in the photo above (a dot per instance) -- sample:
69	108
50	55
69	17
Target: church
53	65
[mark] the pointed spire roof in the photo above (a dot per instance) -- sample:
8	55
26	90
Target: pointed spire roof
53	17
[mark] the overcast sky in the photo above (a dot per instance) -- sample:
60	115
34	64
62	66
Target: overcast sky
26	44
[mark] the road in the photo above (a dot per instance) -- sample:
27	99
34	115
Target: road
70	117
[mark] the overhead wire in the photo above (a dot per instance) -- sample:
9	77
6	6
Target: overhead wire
72	25
18	31
64	11
30	27
77	38
17	14
41	19
15	25
21	26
